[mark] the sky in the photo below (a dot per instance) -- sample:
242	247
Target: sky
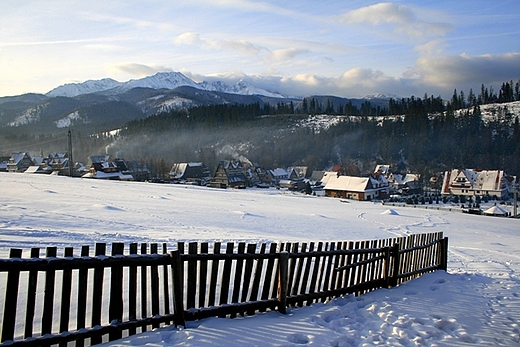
475	303
343	48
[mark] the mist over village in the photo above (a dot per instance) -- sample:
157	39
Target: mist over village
385	147
244	173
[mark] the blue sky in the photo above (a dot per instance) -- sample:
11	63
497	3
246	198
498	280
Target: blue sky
344	48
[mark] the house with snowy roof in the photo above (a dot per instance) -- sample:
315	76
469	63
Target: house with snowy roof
383	169
357	188
20	162
408	183
58	162
470	182
104	167
229	173
189	172
3	163
278	174
296	172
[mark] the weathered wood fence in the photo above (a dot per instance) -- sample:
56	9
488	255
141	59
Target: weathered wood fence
85	300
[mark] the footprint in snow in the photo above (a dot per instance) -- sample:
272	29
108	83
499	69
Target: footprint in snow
298	338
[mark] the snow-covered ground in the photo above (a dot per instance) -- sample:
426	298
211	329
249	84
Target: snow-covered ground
477	302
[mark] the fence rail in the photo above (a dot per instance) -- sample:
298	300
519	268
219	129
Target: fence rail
85	300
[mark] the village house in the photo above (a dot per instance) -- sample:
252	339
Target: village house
58	162
316	176
383	169
261	178
104	167
405	184
278	175
229	173
3	163
357	188
138	170
470	182
297	172
189	172
408	183
20	162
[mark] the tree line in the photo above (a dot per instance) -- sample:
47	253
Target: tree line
423	135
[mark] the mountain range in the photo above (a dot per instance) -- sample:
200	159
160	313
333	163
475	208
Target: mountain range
161	80
99	105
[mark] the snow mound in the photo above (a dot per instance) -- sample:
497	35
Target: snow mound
390	212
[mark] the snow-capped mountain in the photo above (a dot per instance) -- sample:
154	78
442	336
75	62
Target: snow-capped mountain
241	87
88	87
382	96
161	80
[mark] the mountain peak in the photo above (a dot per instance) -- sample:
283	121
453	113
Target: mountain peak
87	87
167	80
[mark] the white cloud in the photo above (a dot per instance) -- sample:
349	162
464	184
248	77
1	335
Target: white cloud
465	70
288	53
402	18
140	70
243	47
433	47
188	38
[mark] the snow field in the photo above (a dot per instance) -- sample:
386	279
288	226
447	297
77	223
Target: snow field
476	303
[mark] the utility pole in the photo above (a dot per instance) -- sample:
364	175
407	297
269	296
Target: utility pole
71	162
515	190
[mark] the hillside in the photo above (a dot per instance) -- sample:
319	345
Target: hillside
106	104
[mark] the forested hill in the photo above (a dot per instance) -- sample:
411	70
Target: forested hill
423	135
419	134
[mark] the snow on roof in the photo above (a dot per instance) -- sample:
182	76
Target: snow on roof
350	183
400	179
32	169
384	169
278	172
178	170
18	156
495	210
327	175
108	175
487	180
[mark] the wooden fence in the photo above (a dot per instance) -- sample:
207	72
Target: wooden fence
85	300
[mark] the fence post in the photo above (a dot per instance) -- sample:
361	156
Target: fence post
283	281
48	299
395	273
444	254
116	292
11	299
178	288
388	251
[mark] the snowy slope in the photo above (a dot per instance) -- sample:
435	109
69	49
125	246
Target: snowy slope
241	87
476	303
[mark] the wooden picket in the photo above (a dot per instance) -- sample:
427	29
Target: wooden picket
105	297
